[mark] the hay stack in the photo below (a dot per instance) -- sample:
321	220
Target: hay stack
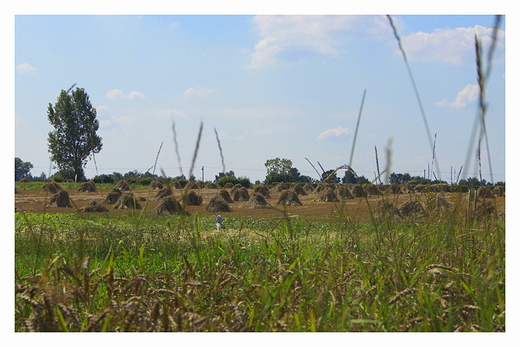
419	188
52	188
24	180
257	200
161	194
229	185
122	185
211	185
288	198
394	189
342	192
387	209
327	195
298	189
93	206
372	190
321	187
176	185
167	207
279	187
87	187
308	187
156	185
412	207
192	199
498	191
240	194
113	196
406	188
60	199
224	194
127	201
217	204
357	191
437	203
485	193
263	190
236	187
193	185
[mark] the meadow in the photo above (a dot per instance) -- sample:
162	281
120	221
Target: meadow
442	271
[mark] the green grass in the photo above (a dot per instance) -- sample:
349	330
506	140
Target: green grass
104	273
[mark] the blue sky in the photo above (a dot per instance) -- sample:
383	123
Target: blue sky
272	86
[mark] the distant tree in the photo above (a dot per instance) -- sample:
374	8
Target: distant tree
278	166
399	178
21	169
74	139
222	175
333	179
362	180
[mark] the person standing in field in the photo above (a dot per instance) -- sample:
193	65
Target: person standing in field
220	223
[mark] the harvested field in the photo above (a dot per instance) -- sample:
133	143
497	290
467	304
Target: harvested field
356	207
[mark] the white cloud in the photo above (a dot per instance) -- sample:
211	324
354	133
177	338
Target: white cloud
24	69
452	46
199	92
318	34
118	94
333	132
468	94
174	25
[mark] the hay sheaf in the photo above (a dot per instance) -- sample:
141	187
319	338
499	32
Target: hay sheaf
52	188
419	188
485	193
240	194
211	185
176	185
298	189
167	207
229	185
308	187
412	207
372	190
407	188
394	189
87	187
257	200
193	185
224	194
263	190
288	198
122	185
498	191
113	196
386	209
126	201
357	191
321	187
343	192
438	202
93	206
24	180
217	204
279	187
60	199
193	199
327	195
156	185
236	187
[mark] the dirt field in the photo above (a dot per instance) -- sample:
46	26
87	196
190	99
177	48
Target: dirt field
35	200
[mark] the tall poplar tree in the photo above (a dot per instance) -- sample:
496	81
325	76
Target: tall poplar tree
74	139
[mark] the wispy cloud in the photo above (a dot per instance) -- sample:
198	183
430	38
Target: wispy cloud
25	69
118	94
290	35
335	132
199	92
452	46
468	94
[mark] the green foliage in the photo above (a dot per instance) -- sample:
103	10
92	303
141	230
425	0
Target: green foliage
74	139
21	169
278	166
399	178
244	181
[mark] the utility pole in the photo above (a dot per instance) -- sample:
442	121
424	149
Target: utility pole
202	173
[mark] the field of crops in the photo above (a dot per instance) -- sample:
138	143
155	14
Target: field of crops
438	271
